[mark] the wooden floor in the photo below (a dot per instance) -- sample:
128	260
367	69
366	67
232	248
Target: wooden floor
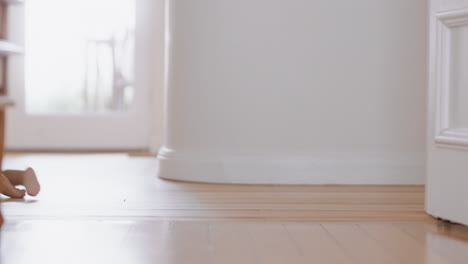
111	209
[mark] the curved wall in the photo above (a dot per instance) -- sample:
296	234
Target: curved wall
295	92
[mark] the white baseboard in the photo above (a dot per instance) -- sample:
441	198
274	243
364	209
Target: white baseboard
326	168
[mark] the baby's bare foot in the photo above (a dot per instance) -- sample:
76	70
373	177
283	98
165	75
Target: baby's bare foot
8	189
30	182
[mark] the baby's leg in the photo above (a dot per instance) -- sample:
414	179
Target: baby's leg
26	178
8	189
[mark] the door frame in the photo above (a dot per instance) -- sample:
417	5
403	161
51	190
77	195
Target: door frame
138	128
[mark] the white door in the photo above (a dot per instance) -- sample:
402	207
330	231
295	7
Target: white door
84	81
447	164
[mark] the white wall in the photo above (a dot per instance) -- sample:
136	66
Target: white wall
298	91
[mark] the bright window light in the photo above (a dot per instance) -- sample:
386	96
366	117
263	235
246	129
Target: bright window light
79	55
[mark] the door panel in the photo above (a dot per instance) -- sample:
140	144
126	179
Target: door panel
447	163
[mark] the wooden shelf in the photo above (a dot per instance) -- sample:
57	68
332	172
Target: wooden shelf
8	48
5	101
12	2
